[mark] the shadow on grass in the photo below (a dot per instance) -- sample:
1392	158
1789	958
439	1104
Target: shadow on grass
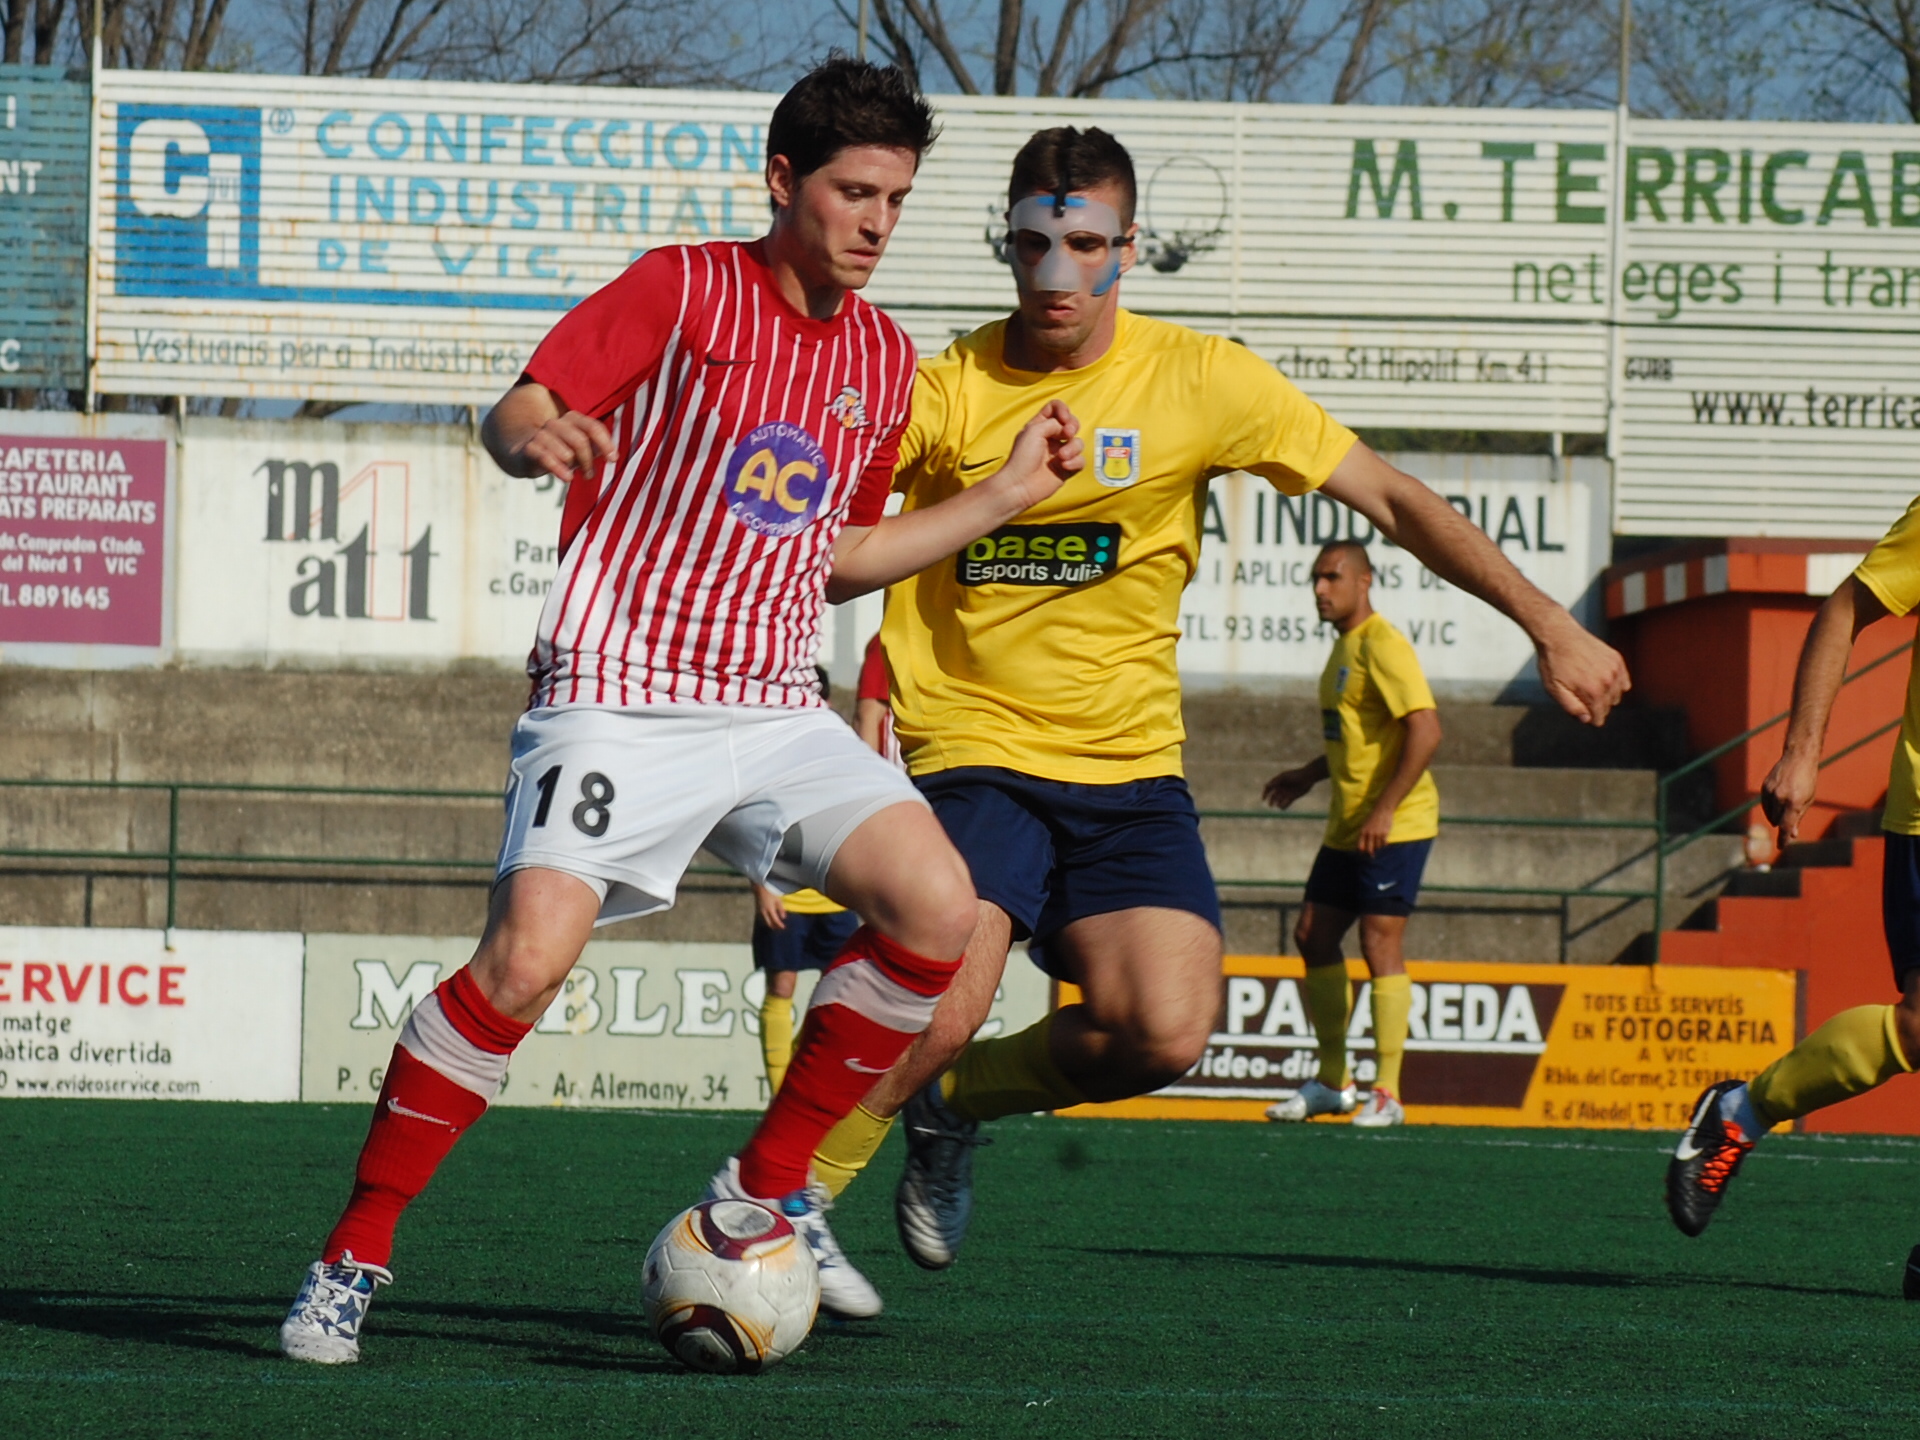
1525	1275
247	1326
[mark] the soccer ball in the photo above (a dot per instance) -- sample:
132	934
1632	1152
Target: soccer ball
730	1288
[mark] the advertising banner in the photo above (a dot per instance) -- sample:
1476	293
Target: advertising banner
117	1014
1771	289
1598	1046
365	542
1249	611
318	541
43	228
356	240
83	531
638	1025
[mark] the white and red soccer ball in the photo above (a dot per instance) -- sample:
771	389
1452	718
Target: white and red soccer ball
730	1288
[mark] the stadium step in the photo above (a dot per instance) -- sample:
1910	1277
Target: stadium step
445	730
1816	912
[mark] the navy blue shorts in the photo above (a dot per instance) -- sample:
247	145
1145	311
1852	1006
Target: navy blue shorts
808	943
1384	883
1900	904
1049	852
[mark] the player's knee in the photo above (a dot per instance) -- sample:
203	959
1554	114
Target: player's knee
517	974
945	907
1303	937
1170	1047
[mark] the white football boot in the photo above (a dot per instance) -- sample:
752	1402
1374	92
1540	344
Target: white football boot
1313	1099
844	1292
1381	1110
324	1324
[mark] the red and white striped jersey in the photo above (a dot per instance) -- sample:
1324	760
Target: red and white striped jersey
746	435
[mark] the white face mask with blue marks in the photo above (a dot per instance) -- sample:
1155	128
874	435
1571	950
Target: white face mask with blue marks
1038	250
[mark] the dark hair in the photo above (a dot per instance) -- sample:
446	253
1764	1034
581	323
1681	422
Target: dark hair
1063	159
841	102
824	680
1353	548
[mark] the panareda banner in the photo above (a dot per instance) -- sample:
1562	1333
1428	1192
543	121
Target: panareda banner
1606	1046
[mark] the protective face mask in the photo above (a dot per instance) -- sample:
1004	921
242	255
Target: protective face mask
1056	217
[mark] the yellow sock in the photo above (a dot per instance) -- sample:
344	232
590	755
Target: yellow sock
1328	1002
1011	1075
1392	999
1849	1055
776	1038
848	1147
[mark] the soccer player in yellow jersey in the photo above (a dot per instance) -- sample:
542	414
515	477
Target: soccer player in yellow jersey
1035	691
1866	1046
1381	731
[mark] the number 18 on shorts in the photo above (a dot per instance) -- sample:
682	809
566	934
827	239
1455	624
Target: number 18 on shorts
623	799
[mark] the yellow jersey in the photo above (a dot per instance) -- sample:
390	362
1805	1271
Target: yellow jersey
1892	572
1372	681
1048	647
810	902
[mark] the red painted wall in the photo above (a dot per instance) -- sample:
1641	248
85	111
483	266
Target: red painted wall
1728	662
1832	934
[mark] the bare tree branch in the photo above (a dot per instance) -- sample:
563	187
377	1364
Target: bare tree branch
1365	24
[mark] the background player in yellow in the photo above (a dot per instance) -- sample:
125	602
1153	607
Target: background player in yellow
1862	1048
1036	694
1381	730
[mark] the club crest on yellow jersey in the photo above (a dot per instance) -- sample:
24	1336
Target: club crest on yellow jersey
1116	457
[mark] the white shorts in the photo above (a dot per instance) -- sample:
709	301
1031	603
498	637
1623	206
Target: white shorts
623	798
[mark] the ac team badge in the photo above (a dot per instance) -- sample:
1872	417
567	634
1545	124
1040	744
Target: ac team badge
1116	457
775	480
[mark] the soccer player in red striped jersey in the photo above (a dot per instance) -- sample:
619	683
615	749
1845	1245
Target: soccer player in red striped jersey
726	416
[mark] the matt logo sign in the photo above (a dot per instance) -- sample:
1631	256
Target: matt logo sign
362	560
187	199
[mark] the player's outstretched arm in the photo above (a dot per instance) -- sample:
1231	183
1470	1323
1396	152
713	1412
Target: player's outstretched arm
1044	454
1790	785
1584	675
528	434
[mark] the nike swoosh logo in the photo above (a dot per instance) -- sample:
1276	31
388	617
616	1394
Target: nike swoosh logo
1388	885
722	360
868	1069
1685	1150
397	1108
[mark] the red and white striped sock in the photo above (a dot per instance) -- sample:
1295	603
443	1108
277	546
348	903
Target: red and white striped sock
446	1067
875	997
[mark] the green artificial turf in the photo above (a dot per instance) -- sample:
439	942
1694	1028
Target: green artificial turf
1121	1280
